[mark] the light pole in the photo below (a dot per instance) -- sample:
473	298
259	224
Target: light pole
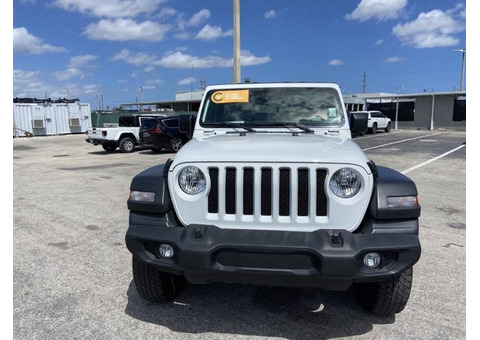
141	99
99	108
236	41
98	102
463	50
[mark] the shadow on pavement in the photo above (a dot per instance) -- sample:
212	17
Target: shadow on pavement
291	313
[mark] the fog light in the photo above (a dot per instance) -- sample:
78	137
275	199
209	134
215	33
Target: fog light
166	251
372	260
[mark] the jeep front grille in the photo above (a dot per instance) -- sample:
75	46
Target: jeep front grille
267	191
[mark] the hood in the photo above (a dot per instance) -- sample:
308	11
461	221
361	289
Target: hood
271	148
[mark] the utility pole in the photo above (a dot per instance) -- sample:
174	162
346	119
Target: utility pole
191	85
236	41
463	50
98	102
141	98
364	81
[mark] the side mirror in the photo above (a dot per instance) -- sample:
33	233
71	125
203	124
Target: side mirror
358	123
186	124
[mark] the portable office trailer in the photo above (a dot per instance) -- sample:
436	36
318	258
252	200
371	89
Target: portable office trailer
43	119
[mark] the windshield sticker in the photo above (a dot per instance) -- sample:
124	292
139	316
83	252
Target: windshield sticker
233	96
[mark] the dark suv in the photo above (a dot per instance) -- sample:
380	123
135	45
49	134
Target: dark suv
162	132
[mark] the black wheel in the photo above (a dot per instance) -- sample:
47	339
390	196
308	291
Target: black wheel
389	127
109	147
154	285
387	297
374	128
127	144
176	144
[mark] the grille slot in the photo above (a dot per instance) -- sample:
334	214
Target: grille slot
213	195
303	199
230	190
284	193
268	192
321	196
248	191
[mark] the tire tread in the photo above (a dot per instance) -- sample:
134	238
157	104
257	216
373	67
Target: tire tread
154	285
387	297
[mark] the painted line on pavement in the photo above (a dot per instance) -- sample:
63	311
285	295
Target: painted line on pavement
400	141
432	160
382	134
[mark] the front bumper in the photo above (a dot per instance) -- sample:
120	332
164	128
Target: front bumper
324	258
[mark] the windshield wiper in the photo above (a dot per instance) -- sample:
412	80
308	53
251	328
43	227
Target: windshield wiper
287	125
232	125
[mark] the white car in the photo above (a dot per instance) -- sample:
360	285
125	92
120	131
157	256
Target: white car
377	120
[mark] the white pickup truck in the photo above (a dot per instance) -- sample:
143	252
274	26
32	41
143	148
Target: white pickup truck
125	136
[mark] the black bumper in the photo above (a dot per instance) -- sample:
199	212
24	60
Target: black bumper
322	258
99	141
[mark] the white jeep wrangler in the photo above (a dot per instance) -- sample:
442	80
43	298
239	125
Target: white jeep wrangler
271	190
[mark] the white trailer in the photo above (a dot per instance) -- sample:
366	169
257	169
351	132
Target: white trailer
43	119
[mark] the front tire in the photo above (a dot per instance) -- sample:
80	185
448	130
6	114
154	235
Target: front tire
154	285
389	127
127	145
387	297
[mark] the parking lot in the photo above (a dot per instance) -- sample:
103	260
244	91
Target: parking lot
72	272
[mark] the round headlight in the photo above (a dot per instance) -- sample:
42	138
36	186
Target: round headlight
345	183
192	180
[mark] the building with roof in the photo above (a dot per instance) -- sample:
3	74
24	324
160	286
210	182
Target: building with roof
425	110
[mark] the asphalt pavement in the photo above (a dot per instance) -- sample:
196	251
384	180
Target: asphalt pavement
72	275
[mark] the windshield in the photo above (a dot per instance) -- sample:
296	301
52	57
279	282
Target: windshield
304	106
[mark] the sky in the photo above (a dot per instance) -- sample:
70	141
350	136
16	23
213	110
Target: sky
121	51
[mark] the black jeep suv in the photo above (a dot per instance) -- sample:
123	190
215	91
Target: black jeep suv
162	132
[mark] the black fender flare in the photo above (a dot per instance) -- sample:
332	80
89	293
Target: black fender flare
391	183
153	179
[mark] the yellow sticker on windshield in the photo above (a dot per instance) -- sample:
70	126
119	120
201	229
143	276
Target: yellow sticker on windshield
231	96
